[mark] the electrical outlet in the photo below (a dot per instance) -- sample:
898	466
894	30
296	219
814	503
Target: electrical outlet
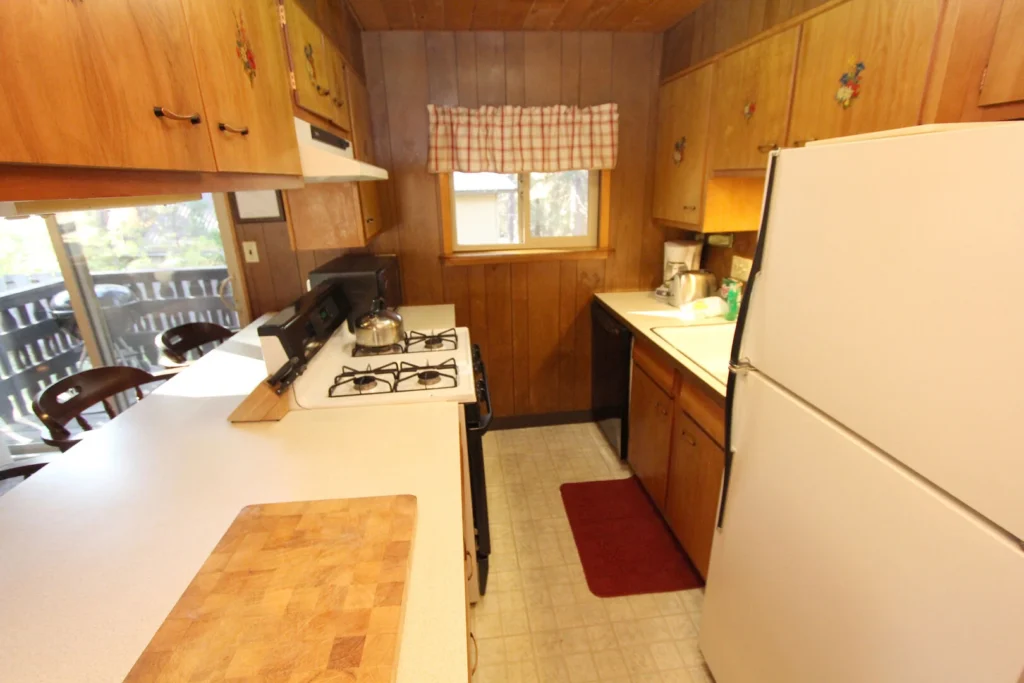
253	256
741	268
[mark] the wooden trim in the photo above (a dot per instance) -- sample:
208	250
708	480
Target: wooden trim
233	257
445	199
263	219
692	227
292	241
542	419
604	216
79	305
22	182
481	258
61	205
778	28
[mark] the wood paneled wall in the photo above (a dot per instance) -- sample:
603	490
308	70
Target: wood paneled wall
532	320
717	25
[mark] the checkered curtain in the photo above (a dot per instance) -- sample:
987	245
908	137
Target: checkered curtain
523	139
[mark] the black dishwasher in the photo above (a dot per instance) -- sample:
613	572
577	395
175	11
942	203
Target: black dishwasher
610	363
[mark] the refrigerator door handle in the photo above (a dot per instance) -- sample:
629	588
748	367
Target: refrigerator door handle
738	366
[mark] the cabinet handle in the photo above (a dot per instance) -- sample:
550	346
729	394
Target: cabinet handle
370	219
767	148
231	129
469	566
322	90
689	439
160	112
690	207
661	409
476	653
801	143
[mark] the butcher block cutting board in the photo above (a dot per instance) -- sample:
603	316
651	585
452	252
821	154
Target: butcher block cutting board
293	593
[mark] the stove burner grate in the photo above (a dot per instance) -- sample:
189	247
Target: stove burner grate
446	340
429	377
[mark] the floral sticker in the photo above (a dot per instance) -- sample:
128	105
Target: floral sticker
679	151
310	62
243	48
849	85
748	110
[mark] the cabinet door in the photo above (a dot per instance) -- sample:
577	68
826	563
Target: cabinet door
326	216
1004	81
694	484
650	432
310	62
243	74
339	100
750	102
683	110
81	80
862	68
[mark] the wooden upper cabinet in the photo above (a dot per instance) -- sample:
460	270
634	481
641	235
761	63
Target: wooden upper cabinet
81	80
750	103
650	433
679	171
1004	80
694	485
882	49
243	75
311	62
341	115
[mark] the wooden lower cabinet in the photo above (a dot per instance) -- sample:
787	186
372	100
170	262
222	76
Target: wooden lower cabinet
650	429
694	484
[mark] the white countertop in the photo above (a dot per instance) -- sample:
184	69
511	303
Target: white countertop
704	352
98	546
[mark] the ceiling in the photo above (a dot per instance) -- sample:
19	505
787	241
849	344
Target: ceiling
519	15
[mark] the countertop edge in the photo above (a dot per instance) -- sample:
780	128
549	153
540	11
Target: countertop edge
678	359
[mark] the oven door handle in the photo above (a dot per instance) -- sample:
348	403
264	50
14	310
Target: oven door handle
485	419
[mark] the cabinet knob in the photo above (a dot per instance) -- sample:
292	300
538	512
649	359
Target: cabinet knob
767	148
231	129
162	112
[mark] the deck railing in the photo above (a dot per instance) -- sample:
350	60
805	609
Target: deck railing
37	350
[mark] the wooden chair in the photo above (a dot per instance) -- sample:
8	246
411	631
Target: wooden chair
68	398
175	343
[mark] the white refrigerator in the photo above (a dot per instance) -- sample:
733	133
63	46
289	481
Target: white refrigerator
873	506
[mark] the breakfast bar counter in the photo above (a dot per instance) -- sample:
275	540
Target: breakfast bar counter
98	546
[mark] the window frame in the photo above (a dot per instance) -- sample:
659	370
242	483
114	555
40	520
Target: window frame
596	239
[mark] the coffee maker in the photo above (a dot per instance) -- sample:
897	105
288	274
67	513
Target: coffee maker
680	257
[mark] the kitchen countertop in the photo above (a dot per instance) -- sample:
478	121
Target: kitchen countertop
421	318
99	545
642	312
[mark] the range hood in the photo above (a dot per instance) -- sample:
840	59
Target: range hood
327	158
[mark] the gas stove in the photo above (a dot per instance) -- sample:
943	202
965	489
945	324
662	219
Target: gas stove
428	365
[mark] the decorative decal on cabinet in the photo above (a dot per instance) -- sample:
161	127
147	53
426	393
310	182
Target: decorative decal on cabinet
849	85
310	62
679	151
243	48
748	109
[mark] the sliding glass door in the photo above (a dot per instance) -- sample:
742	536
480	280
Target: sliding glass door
96	287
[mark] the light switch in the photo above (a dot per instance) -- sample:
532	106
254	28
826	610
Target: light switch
251	254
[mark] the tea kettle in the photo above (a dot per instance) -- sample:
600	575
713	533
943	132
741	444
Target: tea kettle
379	327
690	285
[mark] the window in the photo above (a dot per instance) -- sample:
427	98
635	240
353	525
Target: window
505	211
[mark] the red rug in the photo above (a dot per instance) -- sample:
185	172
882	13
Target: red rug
625	545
